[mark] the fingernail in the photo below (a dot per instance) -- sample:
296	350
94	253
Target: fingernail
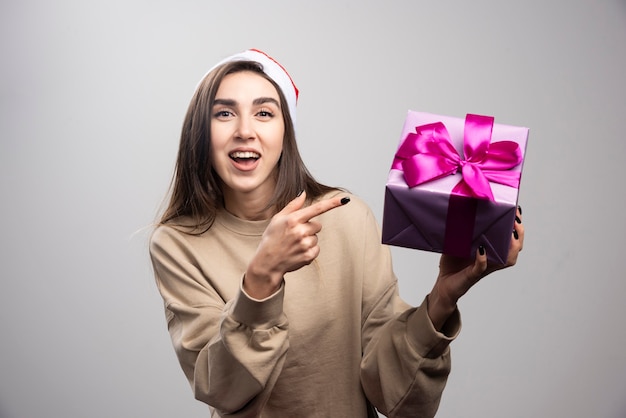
515	234
300	193
520	209
481	250
517	219
345	200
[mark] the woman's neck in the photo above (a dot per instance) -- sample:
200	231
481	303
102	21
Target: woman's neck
251	206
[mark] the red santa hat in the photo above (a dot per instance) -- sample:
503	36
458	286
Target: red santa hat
272	69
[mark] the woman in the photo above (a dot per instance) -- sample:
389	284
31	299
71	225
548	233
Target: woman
280	299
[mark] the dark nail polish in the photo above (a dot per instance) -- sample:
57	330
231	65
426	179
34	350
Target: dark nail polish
300	193
345	200
520	209
515	234
518	220
481	250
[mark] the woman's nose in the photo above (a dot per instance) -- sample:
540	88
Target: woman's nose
245	129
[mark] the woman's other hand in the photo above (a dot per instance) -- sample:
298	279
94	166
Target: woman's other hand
458	275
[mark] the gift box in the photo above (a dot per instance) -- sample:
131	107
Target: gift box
454	184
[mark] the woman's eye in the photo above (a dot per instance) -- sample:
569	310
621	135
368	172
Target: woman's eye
265	114
222	114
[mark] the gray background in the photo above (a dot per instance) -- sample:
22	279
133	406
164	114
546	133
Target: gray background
93	95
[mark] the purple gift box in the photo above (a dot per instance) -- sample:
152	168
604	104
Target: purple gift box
454	184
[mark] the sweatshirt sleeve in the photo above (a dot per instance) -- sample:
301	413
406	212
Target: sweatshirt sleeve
406	361
230	351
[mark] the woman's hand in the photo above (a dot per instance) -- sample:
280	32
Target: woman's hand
458	275
288	243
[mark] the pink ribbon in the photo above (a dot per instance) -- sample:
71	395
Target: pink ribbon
428	154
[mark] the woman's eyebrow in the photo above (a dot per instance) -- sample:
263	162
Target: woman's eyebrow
256	102
225	102
263	100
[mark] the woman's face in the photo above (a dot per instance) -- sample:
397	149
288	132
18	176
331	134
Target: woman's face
247	131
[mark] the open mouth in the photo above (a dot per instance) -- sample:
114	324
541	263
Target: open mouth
244	157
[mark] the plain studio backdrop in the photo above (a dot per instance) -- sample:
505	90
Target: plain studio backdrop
93	97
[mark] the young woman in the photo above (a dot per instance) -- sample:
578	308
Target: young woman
280	299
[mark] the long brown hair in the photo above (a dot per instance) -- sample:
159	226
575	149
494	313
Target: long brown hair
195	191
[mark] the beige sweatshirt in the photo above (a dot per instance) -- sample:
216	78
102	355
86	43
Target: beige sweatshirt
335	338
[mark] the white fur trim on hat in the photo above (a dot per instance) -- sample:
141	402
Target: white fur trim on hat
274	70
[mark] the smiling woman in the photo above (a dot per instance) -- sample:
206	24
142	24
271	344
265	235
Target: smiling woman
247	131
280	299
197	192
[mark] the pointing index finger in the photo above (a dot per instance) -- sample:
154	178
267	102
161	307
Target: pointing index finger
309	212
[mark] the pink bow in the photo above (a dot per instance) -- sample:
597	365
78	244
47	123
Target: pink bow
428	154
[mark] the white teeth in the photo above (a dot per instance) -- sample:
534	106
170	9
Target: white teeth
244	154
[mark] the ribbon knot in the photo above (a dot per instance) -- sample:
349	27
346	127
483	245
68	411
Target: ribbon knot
428	154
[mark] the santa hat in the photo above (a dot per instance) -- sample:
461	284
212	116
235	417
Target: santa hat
273	70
